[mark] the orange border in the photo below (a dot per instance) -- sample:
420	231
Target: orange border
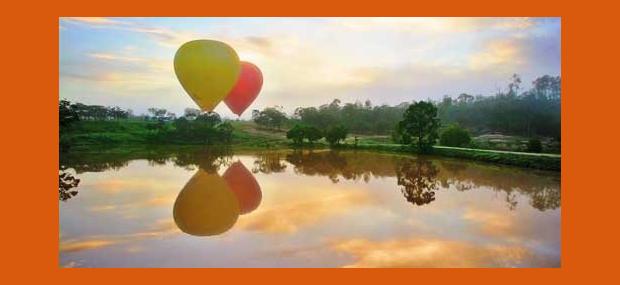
30	141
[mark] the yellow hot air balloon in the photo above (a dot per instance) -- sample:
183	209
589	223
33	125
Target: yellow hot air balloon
205	206
207	70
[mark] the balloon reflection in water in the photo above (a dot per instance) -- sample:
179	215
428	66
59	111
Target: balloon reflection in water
210	205
241	182
205	206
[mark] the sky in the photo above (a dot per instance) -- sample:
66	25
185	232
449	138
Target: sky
128	62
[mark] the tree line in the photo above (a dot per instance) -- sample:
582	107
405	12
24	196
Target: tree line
532	112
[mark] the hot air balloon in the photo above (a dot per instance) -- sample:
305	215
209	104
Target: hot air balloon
207	70
241	182
246	89
205	206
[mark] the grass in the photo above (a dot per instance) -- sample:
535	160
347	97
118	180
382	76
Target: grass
99	135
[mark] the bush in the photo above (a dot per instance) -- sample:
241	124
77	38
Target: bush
312	134
455	136
296	134
335	134
534	145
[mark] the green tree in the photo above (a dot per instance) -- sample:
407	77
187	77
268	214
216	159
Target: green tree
209	118
296	134
312	134
421	123
67	114
534	145
335	134
456	136
270	117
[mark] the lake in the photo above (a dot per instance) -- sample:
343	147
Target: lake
218	208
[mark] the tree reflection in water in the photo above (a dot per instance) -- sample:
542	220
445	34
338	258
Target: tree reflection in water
418	179
269	162
66	183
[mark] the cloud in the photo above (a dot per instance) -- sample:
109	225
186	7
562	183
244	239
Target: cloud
291	216
93	21
161	229
309	61
417	252
500	54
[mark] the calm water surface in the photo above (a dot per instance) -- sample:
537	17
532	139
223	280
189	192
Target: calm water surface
305	209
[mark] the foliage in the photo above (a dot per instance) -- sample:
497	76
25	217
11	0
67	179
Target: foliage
421	123
296	134
356	117
270	117
533	112
335	134
312	134
534	145
67	114
454	135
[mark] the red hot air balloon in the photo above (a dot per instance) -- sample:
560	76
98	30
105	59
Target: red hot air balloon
246	89
242	183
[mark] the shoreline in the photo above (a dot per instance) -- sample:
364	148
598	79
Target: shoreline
540	161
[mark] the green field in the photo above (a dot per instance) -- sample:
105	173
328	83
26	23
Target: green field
131	134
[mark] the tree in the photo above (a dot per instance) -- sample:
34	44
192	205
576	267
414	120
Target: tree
421	123
456	136
270	117
67	114
296	134
158	114
534	145
209	118
312	134
191	113
335	134
225	132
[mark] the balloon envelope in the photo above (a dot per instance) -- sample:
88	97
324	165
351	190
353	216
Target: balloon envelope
205	206
246	89
241	182
207	70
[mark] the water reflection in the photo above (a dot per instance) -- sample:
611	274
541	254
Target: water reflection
305	209
418	179
66	184
205	206
210	205
245	187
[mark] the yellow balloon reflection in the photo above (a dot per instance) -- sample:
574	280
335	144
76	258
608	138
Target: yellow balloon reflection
206	206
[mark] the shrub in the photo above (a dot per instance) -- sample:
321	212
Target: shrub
296	134
335	134
534	145
312	134
455	136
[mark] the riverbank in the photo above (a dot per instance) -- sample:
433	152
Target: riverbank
131	136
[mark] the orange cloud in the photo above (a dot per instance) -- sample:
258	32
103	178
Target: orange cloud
430	253
291	217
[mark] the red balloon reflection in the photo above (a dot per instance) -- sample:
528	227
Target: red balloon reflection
245	187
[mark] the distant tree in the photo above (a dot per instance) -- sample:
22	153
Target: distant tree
312	134
534	145
67	114
225	130
336	134
191	113
296	134
421	123
158	114
209	118
456	136
270	117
